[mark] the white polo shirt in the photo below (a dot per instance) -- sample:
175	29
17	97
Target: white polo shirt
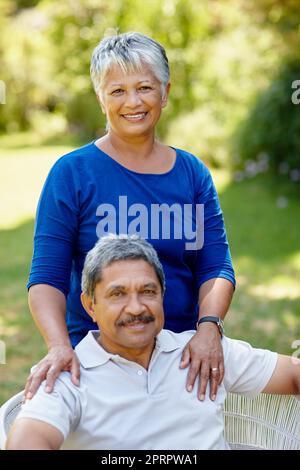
121	405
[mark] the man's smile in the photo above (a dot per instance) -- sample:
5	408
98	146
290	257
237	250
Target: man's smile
137	323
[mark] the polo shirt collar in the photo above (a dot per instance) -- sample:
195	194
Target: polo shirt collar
89	351
91	354
167	341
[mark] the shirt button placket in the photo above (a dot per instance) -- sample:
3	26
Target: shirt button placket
142	374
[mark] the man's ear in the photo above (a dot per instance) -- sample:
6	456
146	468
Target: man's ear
166	96
88	305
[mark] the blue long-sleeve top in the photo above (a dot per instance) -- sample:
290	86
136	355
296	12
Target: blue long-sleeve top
88	194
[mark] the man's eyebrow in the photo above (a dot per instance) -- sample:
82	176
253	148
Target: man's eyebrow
116	286
152	285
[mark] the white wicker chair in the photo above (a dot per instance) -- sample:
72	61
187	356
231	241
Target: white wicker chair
265	422
8	413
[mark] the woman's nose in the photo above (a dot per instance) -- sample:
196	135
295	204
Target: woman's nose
132	99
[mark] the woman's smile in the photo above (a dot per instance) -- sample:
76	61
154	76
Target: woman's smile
137	117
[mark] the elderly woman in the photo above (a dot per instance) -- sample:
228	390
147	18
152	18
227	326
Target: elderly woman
129	182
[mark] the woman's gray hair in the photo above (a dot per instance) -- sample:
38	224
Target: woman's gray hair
113	248
130	51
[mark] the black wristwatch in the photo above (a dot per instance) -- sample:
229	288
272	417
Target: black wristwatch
217	320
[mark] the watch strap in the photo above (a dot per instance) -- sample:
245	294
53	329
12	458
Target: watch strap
217	320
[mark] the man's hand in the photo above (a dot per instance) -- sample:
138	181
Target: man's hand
204	353
59	358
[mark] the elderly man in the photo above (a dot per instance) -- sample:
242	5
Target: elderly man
132	393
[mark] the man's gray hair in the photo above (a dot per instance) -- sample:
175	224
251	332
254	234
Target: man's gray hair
130	51
113	248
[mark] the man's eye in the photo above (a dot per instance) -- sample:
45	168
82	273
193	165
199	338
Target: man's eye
117	92
116	294
145	88
149	291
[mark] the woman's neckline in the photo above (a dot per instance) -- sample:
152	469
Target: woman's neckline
137	172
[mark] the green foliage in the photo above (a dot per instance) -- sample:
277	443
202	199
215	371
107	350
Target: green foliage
221	55
84	115
273	124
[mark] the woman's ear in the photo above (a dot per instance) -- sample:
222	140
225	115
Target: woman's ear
88	305
165	97
101	103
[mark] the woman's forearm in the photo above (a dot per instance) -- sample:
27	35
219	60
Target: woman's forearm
215	296
48	308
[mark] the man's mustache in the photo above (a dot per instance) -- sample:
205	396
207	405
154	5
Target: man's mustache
143	318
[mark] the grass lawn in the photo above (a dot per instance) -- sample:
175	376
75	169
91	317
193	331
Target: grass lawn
264	242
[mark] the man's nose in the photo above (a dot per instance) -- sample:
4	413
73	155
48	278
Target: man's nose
134	305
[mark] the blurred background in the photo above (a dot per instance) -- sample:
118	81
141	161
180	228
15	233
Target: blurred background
234	103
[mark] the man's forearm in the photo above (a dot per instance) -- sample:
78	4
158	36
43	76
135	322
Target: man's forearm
215	297
48	307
